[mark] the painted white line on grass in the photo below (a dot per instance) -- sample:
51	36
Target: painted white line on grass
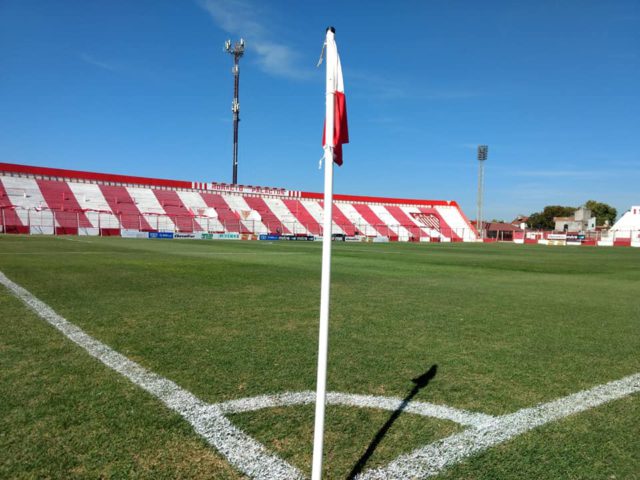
432	459
391	404
443	412
381	252
199	254
73	240
150	252
253	459
76	252
242	451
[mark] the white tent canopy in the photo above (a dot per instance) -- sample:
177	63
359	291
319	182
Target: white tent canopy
629	224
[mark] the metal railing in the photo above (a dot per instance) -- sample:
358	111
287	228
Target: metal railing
100	223
93	222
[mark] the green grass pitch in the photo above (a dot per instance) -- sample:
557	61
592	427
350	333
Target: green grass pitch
508	327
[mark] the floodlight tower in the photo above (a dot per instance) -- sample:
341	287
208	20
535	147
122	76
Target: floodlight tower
237	50
483	150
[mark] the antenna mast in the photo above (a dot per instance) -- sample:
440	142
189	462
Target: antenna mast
237	50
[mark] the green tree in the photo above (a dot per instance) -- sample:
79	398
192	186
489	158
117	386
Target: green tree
602	212
544	220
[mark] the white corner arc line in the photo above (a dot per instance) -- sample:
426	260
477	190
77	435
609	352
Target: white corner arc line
253	459
242	451
430	460
424	409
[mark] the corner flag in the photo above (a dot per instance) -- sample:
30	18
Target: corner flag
335	87
335	134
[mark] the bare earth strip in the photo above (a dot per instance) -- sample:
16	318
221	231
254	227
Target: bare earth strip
253	459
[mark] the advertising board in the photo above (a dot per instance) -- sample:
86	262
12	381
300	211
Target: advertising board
161	235
88	232
298	238
40	230
223	236
575	239
557	236
126	233
269	236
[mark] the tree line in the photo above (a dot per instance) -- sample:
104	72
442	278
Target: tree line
544	220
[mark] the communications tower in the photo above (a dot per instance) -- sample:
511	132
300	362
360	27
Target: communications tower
237	50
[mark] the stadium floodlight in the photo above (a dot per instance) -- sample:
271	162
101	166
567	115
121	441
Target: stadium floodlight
237	50
483	151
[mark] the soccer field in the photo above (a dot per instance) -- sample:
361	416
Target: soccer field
500	329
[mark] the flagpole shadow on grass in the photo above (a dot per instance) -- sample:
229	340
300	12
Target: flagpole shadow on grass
419	383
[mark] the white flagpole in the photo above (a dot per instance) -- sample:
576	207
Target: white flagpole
325	282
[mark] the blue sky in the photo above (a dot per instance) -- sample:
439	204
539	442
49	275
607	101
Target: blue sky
142	87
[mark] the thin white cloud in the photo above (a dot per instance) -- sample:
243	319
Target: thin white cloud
383	88
249	21
392	88
85	57
563	173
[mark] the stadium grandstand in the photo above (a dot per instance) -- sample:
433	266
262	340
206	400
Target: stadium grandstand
40	200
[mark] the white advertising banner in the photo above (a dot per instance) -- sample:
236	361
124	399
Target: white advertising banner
90	232
125	233
40	230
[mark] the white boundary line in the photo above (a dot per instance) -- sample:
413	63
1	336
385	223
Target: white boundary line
242	451
73	239
253	459
150	252
432	459
425	409
74	252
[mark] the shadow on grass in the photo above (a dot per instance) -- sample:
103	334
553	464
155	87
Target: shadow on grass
419	383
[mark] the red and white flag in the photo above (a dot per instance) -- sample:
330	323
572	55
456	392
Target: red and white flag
335	135
335	87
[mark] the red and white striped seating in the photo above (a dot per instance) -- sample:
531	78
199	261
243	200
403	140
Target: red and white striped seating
56	201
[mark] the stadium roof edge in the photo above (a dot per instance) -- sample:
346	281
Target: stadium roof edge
104	177
386	200
159	182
